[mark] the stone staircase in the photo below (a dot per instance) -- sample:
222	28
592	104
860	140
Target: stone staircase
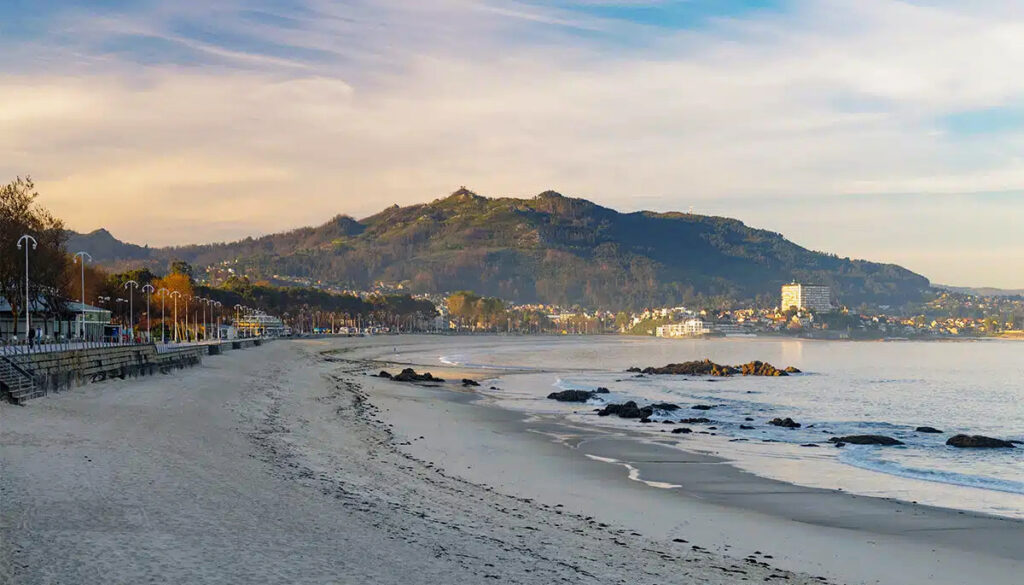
16	382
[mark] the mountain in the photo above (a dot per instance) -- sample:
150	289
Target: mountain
982	291
551	249
104	247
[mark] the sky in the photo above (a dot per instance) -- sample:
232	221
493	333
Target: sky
879	129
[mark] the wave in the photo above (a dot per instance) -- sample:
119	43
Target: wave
865	458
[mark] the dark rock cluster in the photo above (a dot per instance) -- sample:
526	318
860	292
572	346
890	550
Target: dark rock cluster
978	442
866	440
785	423
410	375
576	395
707	367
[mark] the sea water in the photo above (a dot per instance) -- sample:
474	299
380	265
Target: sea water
846	388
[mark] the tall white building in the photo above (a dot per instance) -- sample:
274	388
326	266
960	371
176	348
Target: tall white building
813	297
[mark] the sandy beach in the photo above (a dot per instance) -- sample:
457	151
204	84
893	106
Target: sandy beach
290	464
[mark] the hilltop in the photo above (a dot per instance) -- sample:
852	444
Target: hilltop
549	248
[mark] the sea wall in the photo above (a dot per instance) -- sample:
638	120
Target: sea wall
61	370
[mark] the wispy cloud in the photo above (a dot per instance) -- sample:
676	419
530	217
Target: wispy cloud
240	110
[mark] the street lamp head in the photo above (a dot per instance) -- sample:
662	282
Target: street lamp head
27	238
148	288
85	256
131	283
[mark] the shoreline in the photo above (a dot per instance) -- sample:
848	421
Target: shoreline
289	468
826	468
295	465
927	537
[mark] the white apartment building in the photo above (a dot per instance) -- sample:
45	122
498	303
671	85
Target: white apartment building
688	328
813	297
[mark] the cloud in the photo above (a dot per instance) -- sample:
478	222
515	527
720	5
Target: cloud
267	116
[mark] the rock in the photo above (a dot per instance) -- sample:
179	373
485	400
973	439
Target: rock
927	430
694	421
410	375
468	382
571	395
785	422
866	440
634	369
978	442
840	444
759	368
694	368
384	374
646	420
707	367
681	431
749	418
626	410
702	407
666	406
808	445
746	427
602	390
792	370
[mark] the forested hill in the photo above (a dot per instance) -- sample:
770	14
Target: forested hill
549	248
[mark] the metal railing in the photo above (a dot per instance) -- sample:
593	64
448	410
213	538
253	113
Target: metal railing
11	347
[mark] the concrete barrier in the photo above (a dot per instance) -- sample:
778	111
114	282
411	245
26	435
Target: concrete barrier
61	370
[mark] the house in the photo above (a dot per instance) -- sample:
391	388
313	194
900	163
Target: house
69	322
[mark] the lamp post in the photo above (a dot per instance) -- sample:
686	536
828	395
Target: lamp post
163	321
186	297
85	256
130	286
218	305
27	238
118	302
148	289
195	319
207	302
207	308
175	294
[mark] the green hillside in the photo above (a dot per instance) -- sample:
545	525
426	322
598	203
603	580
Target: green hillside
553	249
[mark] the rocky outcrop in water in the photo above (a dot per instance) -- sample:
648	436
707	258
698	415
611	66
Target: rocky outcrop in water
927	430
576	395
626	410
787	423
866	440
410	375
694	421
707	367
468	382
978	442
759	368
681	431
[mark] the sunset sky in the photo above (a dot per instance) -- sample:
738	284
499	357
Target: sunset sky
886	130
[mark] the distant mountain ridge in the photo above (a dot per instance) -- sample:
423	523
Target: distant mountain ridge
983	291
549	248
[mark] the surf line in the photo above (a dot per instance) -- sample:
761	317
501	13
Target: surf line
634	473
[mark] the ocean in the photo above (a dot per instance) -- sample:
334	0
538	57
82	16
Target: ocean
846	388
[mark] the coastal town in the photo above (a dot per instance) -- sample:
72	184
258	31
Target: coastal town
803	310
